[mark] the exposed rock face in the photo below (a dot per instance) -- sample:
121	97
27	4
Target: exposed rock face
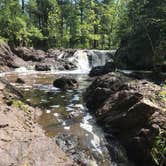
132	110
102	88
8	59
65	83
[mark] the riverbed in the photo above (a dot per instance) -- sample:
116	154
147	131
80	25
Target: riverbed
64	116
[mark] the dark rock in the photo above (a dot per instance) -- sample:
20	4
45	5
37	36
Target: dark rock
42	67
8	59
97	71
20	81
30	54
65	83
101	70
102	88
133	112
60	53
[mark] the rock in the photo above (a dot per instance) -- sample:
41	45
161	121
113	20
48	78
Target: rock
134	112
61	53
101	70
97	71
42	67
65	83
20	81
102	88
21	135
70	145
30	54
8	59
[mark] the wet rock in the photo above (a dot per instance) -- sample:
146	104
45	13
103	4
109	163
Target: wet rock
20	81
70	145
101	70
132	110
42	67
60	53
65	83
97	71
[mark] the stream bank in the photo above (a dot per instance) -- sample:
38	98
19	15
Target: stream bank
23	142
132	110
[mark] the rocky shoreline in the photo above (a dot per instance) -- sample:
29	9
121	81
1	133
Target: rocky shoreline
134	111
128	106
23	142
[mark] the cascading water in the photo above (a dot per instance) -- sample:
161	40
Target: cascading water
85	60
80	59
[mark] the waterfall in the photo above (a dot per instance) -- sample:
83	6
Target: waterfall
100	57
87	59
80	59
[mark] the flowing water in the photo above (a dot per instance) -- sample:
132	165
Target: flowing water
64	112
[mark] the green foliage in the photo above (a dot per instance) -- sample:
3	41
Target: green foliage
81	23
159	149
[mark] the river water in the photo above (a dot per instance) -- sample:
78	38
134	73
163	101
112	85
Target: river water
64	115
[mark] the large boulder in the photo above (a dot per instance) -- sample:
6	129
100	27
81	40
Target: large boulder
133	111
65	83
101	70
8	59
30	54
102	88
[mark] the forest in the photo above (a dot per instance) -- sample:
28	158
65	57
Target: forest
82	82
93	24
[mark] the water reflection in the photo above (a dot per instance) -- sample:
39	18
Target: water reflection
64	112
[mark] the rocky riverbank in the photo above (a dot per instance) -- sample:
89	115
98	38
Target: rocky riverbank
132	110
23	142
51	59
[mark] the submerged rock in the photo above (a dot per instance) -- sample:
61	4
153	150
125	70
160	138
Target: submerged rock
70	145
20	81
65	83
132	110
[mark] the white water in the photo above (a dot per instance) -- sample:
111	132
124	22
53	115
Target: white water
83	59
80	59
